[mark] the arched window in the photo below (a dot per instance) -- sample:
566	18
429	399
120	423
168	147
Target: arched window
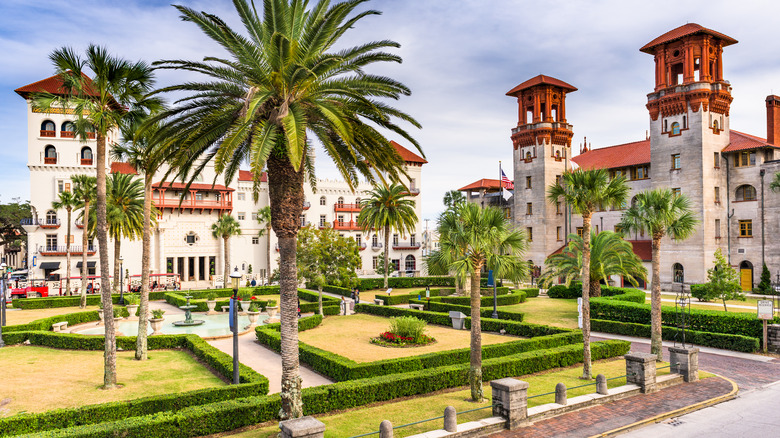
357	201
90	131
528	156
715	125
48	129
557	155
411	263
86	156
746	193
633	201
678	273
322	200
51	217
50	155
68	130
374	240
340	201
675	128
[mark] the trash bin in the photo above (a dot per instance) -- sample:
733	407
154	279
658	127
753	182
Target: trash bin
458	320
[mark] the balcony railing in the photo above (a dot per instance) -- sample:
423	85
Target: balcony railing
305	224
46	133
346	225
349	208
48	223
406	245
67	134
80	224
362	246
306	205
193	203
62	250
86	161
49	160
377	246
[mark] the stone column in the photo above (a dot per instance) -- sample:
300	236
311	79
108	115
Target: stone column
640	370
773	337
304	427
560	394
685	361
510	400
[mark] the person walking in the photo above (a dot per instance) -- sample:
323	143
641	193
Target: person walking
357	296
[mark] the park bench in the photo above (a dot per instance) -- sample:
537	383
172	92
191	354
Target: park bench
225	308
378	302
59	326
416	306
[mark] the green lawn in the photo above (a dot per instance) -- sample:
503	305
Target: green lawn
28	315
548	311
70	378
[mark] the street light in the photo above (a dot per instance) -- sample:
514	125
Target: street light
121	283
235	278
2	301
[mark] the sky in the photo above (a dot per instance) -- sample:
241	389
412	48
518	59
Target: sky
460	57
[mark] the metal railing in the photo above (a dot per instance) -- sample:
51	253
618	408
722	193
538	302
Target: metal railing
440	417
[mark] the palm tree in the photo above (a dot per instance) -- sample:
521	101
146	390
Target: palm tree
472	238
659	212
225	227
609	255
85	190
388	209
586	191
453	198
264	219
68	201
775	184
144	155
279	83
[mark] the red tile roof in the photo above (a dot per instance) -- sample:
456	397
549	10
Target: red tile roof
246	175
642	248
541	80
407	155
51	85
740	141
622	155
683	31
193	186
484	183
125	168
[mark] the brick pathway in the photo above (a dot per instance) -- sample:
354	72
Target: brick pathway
609	416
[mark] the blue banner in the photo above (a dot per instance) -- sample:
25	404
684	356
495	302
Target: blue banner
232	309
490	278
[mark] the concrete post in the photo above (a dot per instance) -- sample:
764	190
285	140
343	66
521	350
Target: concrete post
640	370
685	361
601	384
510	400
386	429
304	427
560	394
773	337
450	419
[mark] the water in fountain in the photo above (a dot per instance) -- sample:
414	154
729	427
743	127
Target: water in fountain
188	321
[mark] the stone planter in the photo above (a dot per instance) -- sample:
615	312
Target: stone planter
211	305
272	311
156	325
253	317
131	309
100	314
245	305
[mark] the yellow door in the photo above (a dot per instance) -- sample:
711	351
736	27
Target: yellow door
746	277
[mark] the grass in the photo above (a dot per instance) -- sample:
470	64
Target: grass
364	420
25	316
70	378
350	336
547	311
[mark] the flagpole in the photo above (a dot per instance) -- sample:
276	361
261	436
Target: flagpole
500	180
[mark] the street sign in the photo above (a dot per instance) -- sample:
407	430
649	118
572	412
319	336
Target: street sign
765	309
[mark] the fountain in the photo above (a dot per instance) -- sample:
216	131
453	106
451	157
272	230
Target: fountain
188	321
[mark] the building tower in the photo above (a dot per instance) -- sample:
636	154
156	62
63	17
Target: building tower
689	127
542	150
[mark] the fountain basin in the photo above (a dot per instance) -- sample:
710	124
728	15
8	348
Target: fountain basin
214	326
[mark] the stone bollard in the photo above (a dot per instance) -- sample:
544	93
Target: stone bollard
560	394
601	385
640	370
685	361
773	338
510	400
304	427
386	429
450	419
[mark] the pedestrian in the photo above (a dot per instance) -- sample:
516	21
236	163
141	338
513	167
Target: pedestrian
352	295
89	288
299	307
344	305
254	282
357	296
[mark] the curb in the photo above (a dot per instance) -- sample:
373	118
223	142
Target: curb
676	413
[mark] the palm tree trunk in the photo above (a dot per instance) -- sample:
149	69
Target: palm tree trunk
268	254
109	372
475	357
656	343
84	269
227	263
143	308
586	362
285	191
387	252
595	287
67	257
117	274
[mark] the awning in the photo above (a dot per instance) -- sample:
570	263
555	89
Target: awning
89	265
50	266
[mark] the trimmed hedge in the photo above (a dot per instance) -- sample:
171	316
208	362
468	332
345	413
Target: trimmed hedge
530	292
233	414
616	293
71	301
309	300
45	324
745	344
485	312
503	300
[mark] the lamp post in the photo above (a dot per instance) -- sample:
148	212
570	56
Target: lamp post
121	283
235	278
2	301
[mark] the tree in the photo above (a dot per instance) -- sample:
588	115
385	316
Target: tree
587	191
225	227
388	209
660	213
85	190
723	281
380	266
114	96
325	257
765	285
11	217
264	219
289	77
453	199
609	255
472	238
775	184
68	201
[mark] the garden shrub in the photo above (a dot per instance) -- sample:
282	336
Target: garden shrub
503	300
408	327
617	293
561	291
70	301
703	292
530	292
434	305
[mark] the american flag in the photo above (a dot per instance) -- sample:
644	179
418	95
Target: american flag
506	182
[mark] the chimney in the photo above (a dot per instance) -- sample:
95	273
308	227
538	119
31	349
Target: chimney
773	119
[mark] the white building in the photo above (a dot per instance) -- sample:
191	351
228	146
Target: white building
182	242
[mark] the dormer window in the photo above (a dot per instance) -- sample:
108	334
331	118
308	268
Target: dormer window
68	130
50	155
48	129
86	156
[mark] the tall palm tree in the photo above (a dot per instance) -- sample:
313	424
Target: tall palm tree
279	83
453	198
115	95
586	191
609	255
388	209
775	184
146	156
264	219
85	190
68	201
660	213
472	238
224	228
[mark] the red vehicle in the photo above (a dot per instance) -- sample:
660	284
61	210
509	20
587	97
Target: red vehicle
30	291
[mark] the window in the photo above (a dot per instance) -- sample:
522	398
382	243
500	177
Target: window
241	196
254	216
48	129
746	193
666	125
716	160
685	122
51	242
745	158
191	238
255	240
322	220
529	209
717	195
241	215
322	200
412	240
678	273
358	239
86	156
340	219
676	191
374	241
340	201
675	128
198	196
169	265
640	172
50	155
558	207
715	125
717	228
374	262
558	233
68	130
530	232
302	218
51	217
395	239
528	182
580	231
675	161
528	156
618	229
746	228
410	263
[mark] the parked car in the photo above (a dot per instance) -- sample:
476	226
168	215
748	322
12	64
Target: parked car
30	291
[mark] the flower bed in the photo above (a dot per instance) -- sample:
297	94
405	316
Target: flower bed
388	339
